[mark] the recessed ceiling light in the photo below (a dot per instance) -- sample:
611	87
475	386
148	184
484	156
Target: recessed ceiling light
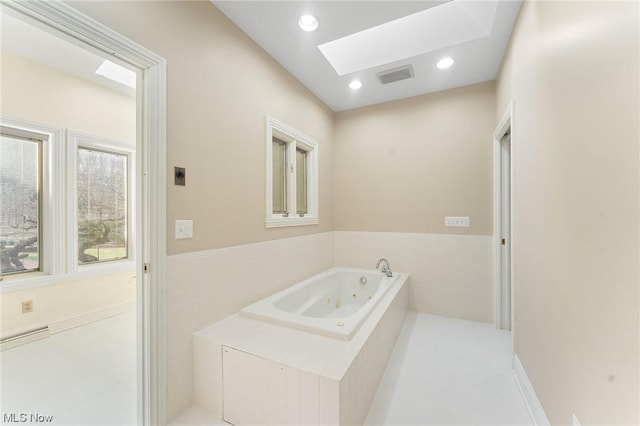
445	63
308	23
355	84
117	73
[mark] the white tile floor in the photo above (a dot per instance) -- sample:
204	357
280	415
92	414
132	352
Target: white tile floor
83	376
445	371
442	371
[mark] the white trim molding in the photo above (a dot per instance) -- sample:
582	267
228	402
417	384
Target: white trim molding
53	175
294	139
505	124
536	411
68	23
76	140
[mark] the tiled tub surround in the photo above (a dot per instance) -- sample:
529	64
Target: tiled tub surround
328	381
451	275
207	286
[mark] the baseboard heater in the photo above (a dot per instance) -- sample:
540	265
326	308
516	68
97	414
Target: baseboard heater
22	338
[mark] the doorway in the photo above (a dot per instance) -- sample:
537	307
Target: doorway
63	21
503	220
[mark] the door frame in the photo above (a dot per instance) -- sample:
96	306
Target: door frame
74	26
505	124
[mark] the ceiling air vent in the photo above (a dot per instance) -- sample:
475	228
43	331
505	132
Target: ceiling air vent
396	74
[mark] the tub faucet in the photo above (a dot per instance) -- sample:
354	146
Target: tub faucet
386	269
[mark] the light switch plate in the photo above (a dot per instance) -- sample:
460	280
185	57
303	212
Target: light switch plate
457	221
180	176
184	229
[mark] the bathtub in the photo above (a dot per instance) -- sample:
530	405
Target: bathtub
333	303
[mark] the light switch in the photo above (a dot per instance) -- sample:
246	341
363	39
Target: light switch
457	221
180	176
184	229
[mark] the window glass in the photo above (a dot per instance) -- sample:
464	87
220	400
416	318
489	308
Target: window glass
301	181
19	205
102	206
279	154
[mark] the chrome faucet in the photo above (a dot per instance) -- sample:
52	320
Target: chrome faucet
386	269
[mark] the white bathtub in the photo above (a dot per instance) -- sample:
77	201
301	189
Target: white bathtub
334	303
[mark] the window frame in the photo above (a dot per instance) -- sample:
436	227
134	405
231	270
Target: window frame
75	141
294	139
38	139
58	218
52	193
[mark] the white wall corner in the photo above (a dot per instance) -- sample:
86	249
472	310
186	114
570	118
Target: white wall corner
536	412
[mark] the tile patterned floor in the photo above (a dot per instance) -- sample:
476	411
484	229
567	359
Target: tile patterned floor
83	376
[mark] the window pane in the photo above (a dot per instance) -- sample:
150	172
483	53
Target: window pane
301	181
279	154
102	206
19	205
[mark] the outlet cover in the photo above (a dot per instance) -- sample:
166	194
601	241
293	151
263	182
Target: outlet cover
27	306
184	229
457	221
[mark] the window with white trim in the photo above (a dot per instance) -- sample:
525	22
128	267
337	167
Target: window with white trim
102	205
292	177
66	204
100	212
20	200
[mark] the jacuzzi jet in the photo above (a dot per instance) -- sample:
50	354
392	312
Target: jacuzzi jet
354	295
340	324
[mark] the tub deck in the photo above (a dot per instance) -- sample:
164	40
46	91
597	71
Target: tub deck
334	379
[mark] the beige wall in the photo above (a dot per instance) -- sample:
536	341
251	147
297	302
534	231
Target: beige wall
573	72
221	86
400	168
69	303
403	166
33	92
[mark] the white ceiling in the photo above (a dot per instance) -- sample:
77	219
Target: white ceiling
444	31
38	45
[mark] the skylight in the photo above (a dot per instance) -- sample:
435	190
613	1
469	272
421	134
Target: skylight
432	29
117	73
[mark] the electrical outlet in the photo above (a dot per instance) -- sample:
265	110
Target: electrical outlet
27	306
574	420
457	221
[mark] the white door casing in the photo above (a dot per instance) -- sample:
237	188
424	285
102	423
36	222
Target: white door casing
503	197
63	20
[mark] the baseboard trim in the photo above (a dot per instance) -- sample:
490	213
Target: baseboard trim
86	318
528	393
26	337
